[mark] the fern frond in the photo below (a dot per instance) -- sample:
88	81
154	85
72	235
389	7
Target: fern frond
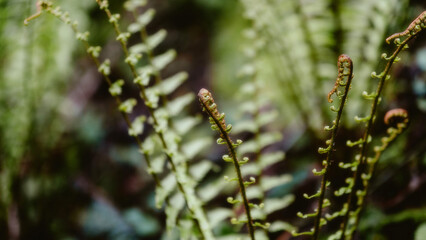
159	118
218	123
344	79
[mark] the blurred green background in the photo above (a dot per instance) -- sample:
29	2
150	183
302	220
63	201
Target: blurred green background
69	170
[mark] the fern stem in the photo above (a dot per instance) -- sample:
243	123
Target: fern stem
394	133
342	60
364	147
220	124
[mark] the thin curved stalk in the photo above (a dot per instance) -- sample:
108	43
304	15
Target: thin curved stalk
218	123
344	63
393	132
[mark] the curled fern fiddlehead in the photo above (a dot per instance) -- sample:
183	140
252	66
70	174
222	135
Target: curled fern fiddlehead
218	124
344	79
344	68
415	27
396	116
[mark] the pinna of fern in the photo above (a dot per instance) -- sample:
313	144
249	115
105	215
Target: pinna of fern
164	135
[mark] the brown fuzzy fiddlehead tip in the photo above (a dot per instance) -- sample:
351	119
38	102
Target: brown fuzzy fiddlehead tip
207	101
344	67
415	27
395	116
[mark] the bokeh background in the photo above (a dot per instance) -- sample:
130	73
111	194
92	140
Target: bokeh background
69	170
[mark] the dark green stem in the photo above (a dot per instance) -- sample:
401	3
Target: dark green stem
372	169
231	148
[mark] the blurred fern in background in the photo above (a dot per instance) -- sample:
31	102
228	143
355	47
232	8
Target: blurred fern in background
70	170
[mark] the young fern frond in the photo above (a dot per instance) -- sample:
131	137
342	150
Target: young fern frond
344	79
414	29
217	121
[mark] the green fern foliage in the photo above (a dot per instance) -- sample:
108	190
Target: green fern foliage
164	144
302	40
290	55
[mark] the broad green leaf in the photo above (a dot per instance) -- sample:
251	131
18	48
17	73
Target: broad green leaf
274	204
128	105
281	226
245	126
170	84
148	145
218	215
138	48
154	40
157	163
186	230
178	104
198	171
160	61
191	149
134	27
269	182
172	210
115	88
251	168
137	126
271	158
265	118
260	234
211	190
151	42
254	192
132	5
258	144
146	17
169	184
184	125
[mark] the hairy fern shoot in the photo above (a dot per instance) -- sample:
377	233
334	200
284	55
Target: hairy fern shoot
217	121
344	79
